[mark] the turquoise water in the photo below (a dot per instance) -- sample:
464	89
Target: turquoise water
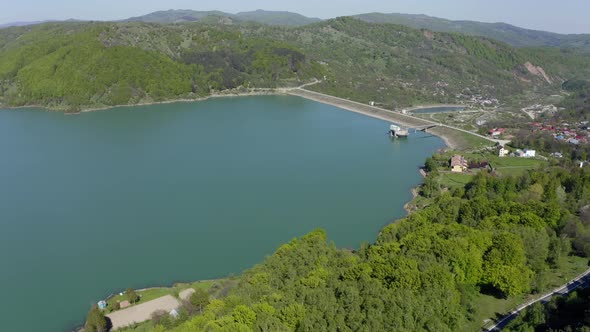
141	196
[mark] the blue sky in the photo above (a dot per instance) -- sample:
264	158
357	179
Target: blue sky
565	16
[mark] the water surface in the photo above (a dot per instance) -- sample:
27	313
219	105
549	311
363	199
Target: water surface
150	195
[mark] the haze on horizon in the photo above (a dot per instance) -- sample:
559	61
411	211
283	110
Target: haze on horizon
567	16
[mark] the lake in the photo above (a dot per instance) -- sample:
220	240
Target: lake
141	196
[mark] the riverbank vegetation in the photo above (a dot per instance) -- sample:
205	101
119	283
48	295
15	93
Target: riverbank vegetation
74	66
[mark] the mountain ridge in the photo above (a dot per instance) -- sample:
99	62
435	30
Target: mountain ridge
508	33
258	16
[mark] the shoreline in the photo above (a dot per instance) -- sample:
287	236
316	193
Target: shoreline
414	192
228	93
349	105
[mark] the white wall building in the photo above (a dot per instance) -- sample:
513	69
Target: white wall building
529	153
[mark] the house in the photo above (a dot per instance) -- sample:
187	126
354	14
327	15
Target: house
497	132
503	152
529	153
458	164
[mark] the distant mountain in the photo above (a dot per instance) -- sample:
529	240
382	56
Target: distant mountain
515	36
260	16
176	16
20	24
276	18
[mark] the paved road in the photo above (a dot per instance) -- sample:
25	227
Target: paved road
581	281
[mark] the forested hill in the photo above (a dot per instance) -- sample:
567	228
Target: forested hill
510	34
259	16
80	65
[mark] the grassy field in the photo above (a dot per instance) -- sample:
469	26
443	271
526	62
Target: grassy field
461	141
454	180
146	295
157	292
514	166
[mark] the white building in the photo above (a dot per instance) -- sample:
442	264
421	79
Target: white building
503	152
529	153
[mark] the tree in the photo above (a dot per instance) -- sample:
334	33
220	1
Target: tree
430	165
160	317
504	265
131	296
244	315
199	299
431	187
115	306
95	321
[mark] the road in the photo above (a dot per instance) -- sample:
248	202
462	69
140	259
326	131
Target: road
582	280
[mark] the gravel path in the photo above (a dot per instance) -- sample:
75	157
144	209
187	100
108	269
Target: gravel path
186	294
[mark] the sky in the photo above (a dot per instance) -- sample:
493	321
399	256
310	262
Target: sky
564	16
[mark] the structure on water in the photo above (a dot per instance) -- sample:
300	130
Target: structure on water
396	131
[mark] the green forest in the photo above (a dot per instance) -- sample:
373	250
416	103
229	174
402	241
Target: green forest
75	66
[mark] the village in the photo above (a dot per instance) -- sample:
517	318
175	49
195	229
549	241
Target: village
576	133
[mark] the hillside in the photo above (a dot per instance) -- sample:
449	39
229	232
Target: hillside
83	65
507	33
258	16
